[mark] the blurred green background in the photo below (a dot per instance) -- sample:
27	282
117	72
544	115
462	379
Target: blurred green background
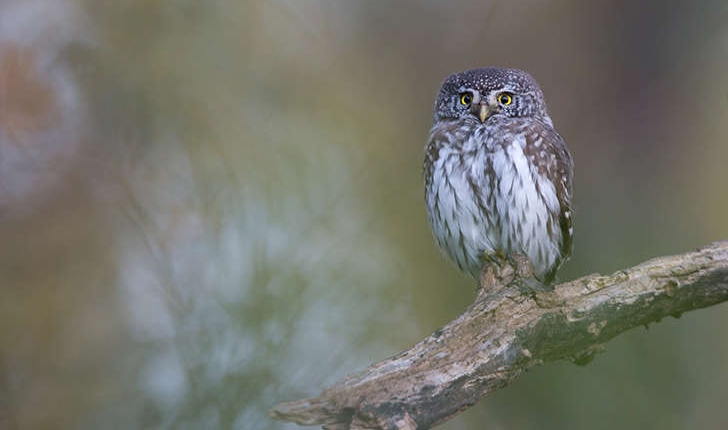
207	208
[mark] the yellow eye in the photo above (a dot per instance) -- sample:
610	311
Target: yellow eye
505	99
466	99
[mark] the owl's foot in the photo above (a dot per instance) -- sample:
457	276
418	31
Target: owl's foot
491	277
521	265
496	271
499	270
499	258
527	282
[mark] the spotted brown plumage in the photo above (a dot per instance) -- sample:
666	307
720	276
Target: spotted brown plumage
498	177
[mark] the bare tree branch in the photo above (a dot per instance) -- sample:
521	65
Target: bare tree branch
506	332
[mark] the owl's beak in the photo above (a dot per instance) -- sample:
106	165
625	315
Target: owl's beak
484	112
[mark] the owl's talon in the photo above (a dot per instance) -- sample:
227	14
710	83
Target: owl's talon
493	258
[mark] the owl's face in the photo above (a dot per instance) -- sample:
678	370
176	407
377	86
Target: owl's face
482	94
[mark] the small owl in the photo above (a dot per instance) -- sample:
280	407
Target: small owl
497	175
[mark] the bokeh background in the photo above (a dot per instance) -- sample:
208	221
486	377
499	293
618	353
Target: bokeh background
207	208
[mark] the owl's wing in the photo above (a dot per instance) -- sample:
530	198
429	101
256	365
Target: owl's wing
564	191
439	136
549	151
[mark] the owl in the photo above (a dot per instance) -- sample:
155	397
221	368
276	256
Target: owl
498	177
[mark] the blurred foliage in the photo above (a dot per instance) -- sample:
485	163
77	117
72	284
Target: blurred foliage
210	207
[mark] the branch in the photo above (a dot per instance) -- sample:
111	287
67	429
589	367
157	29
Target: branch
506	332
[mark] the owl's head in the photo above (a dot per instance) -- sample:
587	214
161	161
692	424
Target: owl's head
480	94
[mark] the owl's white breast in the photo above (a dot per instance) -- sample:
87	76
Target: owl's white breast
462	228
472	213
526	203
